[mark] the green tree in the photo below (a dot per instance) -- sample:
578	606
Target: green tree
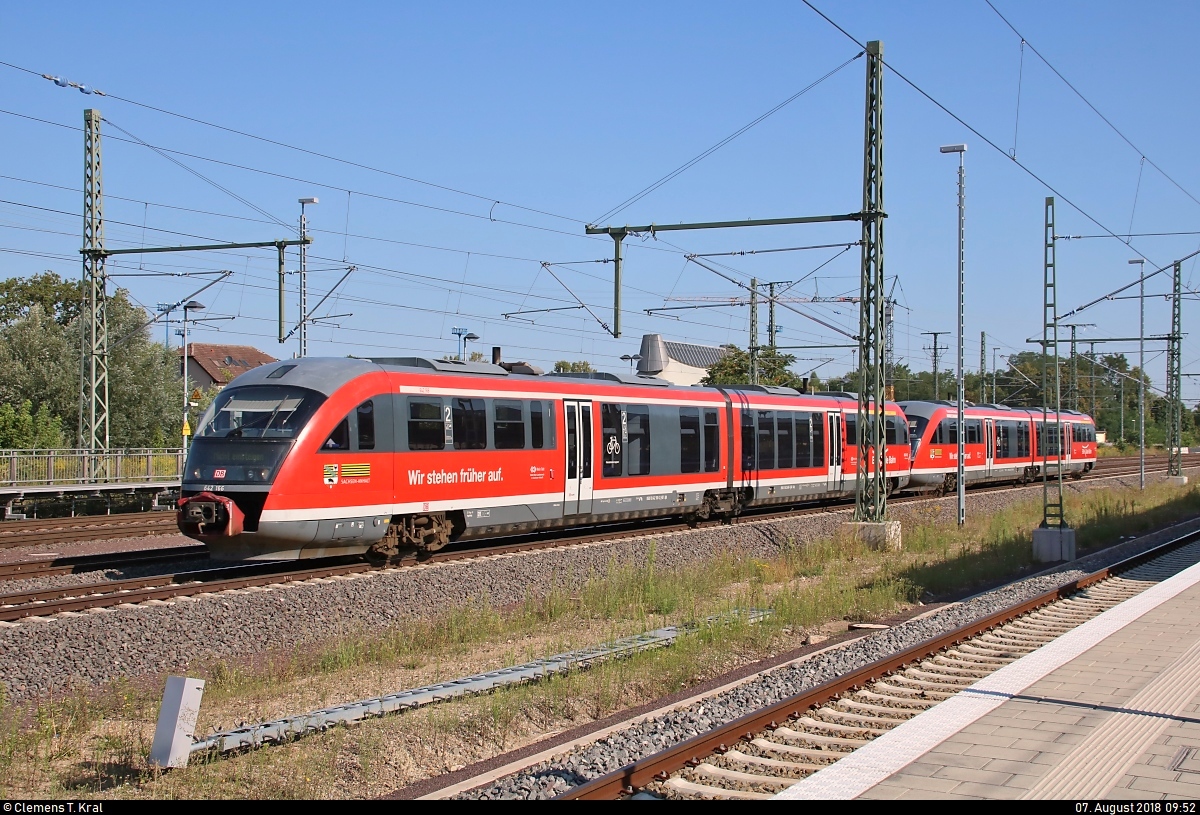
61	300
580	367
734	369
23	429
40	345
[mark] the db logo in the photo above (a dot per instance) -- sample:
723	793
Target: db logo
218	474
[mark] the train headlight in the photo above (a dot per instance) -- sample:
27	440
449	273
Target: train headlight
264	473
196	473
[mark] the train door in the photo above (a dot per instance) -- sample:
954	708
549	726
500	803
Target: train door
1068	442
835	451
989	436
577	491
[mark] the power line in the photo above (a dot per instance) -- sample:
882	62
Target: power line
1090	105
296	148
633	199
984	138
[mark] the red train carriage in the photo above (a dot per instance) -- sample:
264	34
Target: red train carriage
1000	444
318	457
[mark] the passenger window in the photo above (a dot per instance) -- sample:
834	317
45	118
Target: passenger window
784	448
638	421
426	428
766	440
509	429
803	441
614	448
339	439
470	424
536	425
366	425
818	440
851	422
748	438
689	440
712	442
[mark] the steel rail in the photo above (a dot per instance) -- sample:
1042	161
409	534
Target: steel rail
659	766
85	528
89	563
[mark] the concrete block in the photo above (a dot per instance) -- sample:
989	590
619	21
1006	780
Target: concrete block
1177	480
878	535
1051	545
172	744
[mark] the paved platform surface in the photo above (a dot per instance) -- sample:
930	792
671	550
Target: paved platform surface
1108	710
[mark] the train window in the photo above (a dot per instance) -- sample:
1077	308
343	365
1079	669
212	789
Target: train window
766	440
613	448
470	423
1023	440
712	442
803	440
889	430
509	429
638	421
851	421
366	425
946	432
689	440
748	439
537	425
339	439
974	431
818	439
259	411
572	445
785	447
585	427
426	426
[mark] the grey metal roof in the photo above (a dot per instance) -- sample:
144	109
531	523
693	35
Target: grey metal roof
697	356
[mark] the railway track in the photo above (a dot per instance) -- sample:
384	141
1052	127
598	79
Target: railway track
763	753
44	567
85	528
82	597
107	527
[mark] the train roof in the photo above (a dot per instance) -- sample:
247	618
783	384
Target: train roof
927	409
327	374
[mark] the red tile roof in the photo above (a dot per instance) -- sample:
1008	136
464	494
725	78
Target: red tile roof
224	362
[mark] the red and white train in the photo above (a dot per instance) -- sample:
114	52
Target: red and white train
318	457
999	444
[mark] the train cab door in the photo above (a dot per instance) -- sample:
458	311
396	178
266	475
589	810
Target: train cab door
577	491
989	436
835	451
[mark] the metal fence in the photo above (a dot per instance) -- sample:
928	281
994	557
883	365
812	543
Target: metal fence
28	468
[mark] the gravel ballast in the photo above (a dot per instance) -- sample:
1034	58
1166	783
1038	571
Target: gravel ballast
43	656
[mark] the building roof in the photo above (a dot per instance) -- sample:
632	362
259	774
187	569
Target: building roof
224	362
656	352
697	356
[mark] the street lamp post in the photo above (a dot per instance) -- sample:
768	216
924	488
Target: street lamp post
961	477
468	338
191	305
1141	264
304	276
631	358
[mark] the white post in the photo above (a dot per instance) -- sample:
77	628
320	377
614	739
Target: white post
172	744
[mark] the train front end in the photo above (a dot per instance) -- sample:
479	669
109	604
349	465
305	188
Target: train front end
244	447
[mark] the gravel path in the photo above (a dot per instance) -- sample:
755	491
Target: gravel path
41	656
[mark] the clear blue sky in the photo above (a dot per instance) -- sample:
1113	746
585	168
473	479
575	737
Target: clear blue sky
569	109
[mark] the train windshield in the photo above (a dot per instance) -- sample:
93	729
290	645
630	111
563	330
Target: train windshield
916	429
259	412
